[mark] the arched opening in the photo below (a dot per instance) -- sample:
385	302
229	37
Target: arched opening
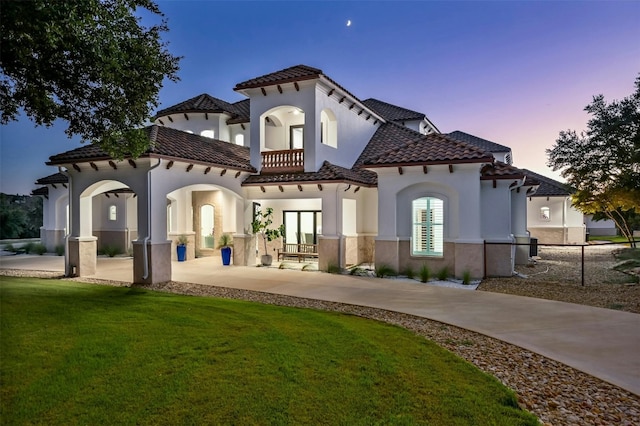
282	128
109	213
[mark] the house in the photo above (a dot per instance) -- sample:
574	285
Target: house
552	219
349	177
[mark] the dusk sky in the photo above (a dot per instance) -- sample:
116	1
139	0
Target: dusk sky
515	73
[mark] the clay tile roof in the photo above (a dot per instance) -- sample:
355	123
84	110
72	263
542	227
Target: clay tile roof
479	142
242	112
548	187
43	190
52	179
327	173
434	148
387	136
500	170
200	103
174	144
392	112
287	75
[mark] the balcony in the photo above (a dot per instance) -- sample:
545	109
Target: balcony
285	161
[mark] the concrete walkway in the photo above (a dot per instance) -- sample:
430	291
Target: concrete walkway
601	342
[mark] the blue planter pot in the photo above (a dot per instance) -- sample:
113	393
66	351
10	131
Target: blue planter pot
226	255
182	253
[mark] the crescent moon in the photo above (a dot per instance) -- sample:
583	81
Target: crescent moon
348	22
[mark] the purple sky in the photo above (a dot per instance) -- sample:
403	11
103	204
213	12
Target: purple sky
516	73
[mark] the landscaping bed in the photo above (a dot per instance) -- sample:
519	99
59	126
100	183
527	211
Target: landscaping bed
556	275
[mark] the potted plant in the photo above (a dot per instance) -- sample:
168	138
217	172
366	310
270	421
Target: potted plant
260	225
224	244
181	247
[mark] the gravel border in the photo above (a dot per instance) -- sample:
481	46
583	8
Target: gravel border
555	393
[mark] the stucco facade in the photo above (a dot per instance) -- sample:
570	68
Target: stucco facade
342	175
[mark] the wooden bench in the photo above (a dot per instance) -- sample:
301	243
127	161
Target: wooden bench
301	251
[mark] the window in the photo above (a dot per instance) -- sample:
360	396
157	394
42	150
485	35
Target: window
113	212
302	227
207	220
328	128
239	139
545	213
428	227
296	137
208	134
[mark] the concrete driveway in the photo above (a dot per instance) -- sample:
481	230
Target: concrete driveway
601	342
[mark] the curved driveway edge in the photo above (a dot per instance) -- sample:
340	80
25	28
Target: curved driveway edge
601	342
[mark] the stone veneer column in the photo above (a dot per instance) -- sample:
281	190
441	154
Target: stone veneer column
328	252
158	262
81	256
522	252
469	257
387	252
244	250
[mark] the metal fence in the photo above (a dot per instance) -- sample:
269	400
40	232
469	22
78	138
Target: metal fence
571	264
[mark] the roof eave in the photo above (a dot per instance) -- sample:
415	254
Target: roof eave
312	182
430	163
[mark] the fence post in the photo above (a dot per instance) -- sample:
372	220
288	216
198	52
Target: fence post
582	246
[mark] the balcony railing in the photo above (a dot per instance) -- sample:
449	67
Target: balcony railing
285	161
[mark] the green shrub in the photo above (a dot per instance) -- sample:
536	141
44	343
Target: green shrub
466	277
332	268
424	273
59	249
39	249
28	248
409	272
10	247
385	271
443	273
111	251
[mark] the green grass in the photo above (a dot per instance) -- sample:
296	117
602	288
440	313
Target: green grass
610	238
76	353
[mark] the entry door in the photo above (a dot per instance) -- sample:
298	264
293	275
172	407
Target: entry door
302	227
296	137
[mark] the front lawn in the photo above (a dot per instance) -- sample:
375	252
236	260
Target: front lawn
85	354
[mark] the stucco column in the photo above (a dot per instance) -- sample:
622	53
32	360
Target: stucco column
80	258
519	225
152	249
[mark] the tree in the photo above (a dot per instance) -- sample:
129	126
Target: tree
603	163
91	63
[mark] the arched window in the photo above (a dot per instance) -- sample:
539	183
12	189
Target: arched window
328	128
113	212
428	227
239	139
545	214
207	216
208	134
